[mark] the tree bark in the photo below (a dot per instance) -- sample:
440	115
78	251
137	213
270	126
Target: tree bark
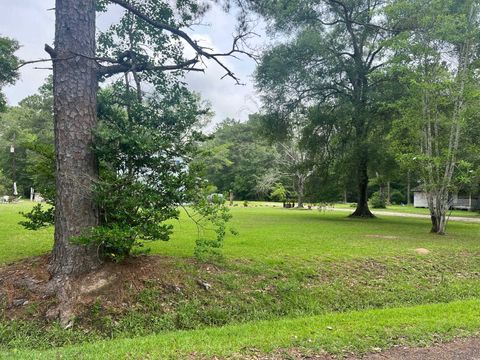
389	197
300	201
75	86
362	209
434	220
408	188
438	223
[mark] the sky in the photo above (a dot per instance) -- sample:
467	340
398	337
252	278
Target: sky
31	23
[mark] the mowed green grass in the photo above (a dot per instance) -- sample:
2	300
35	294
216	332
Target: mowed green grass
284	235
274	234
413	210
16	242
287	276
358	332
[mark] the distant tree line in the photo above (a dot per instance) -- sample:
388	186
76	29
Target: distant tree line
240	158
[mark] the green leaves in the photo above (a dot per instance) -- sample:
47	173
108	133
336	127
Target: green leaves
236	157
8	61
143	147
211	217
39	217
8	65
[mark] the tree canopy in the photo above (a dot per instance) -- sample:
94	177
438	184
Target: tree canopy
8	65
333	58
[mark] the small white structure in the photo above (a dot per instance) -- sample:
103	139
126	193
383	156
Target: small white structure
215	198
37	197
420	199
461	202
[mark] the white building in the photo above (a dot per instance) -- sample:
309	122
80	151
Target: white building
460	202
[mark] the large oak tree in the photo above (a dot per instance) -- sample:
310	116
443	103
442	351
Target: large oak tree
332	56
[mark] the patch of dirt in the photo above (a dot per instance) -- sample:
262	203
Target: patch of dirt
460	349
25	292
354	272
24	284
422	251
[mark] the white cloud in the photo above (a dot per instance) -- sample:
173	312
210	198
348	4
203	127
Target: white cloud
32	24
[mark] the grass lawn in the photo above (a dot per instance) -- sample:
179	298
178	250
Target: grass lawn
336	333
16	242
287	276
413	210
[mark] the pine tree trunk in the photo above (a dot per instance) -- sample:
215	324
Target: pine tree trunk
75	87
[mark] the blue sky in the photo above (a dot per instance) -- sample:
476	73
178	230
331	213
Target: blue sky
32	24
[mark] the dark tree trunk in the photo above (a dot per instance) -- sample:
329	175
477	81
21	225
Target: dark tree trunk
435	222
438	223
75	86
362	209
360	117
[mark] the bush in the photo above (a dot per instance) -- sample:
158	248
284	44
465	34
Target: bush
38	217
279	193
397	198
144	150
378	201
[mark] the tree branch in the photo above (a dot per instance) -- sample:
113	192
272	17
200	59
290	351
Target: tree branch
32	62
201	51
125	67
51	51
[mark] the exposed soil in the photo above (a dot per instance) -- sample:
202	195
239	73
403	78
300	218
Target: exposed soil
25	291
24	283
460	349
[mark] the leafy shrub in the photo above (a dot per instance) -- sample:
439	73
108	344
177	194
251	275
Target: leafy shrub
145	148
378	201
3	184
279	193
38	217
397	198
